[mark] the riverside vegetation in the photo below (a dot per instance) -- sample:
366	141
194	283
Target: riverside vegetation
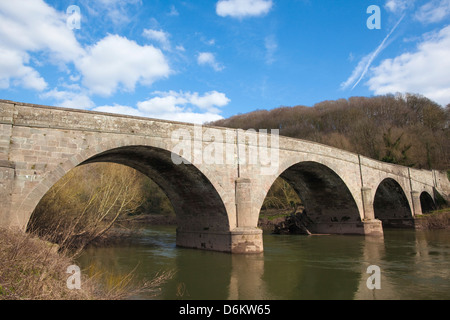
33	269
408	129
79	210
98	203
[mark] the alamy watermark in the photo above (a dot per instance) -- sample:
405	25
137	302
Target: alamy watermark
374	281
374	21
74	280
227	147
73	20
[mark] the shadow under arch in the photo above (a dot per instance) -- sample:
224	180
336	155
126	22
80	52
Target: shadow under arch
197	204
391	205
426	202
328	202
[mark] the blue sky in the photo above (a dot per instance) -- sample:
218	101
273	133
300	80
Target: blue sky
203	60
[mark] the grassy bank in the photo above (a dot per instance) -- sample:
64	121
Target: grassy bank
32	269
270	217
439	219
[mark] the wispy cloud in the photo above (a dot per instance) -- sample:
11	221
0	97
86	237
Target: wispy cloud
208	58
271	45
243	8
397	6
159	36
116	11
173	11
364	64
433	11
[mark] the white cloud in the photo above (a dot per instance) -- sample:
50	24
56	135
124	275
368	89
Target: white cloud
208	58
116	62
69	99
243	8
35	26
424	71
209	101
12	67
172	101
158	35
167	103
119	109
191	117
32	27
176	106
433	11
397	6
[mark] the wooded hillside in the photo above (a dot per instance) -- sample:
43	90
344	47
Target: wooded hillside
407	129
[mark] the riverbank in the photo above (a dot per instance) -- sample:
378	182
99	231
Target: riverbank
128	229
33	269
435	220
268	219
438	219
156	219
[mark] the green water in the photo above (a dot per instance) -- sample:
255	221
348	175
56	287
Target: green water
413	265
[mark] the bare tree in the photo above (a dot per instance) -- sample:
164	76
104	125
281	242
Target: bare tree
87	202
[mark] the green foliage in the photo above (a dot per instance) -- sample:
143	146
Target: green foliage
395	152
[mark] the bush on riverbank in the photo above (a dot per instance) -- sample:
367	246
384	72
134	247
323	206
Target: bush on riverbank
439	219
33	269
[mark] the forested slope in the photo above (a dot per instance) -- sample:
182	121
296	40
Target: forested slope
407	129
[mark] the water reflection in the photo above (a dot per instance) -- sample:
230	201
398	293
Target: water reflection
314	267
414	265
246	281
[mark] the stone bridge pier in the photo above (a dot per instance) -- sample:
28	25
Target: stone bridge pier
216	178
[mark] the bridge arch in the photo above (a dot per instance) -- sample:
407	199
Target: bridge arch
327	200
426	202
196	200
390	203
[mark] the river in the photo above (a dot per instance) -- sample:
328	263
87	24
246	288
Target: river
412	265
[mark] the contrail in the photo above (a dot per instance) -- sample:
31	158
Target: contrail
377	51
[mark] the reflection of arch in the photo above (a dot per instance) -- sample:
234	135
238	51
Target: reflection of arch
195	200
391	202
326	197
427	202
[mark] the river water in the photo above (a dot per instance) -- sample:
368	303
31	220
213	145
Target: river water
412	265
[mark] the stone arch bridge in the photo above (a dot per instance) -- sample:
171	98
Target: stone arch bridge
216	178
